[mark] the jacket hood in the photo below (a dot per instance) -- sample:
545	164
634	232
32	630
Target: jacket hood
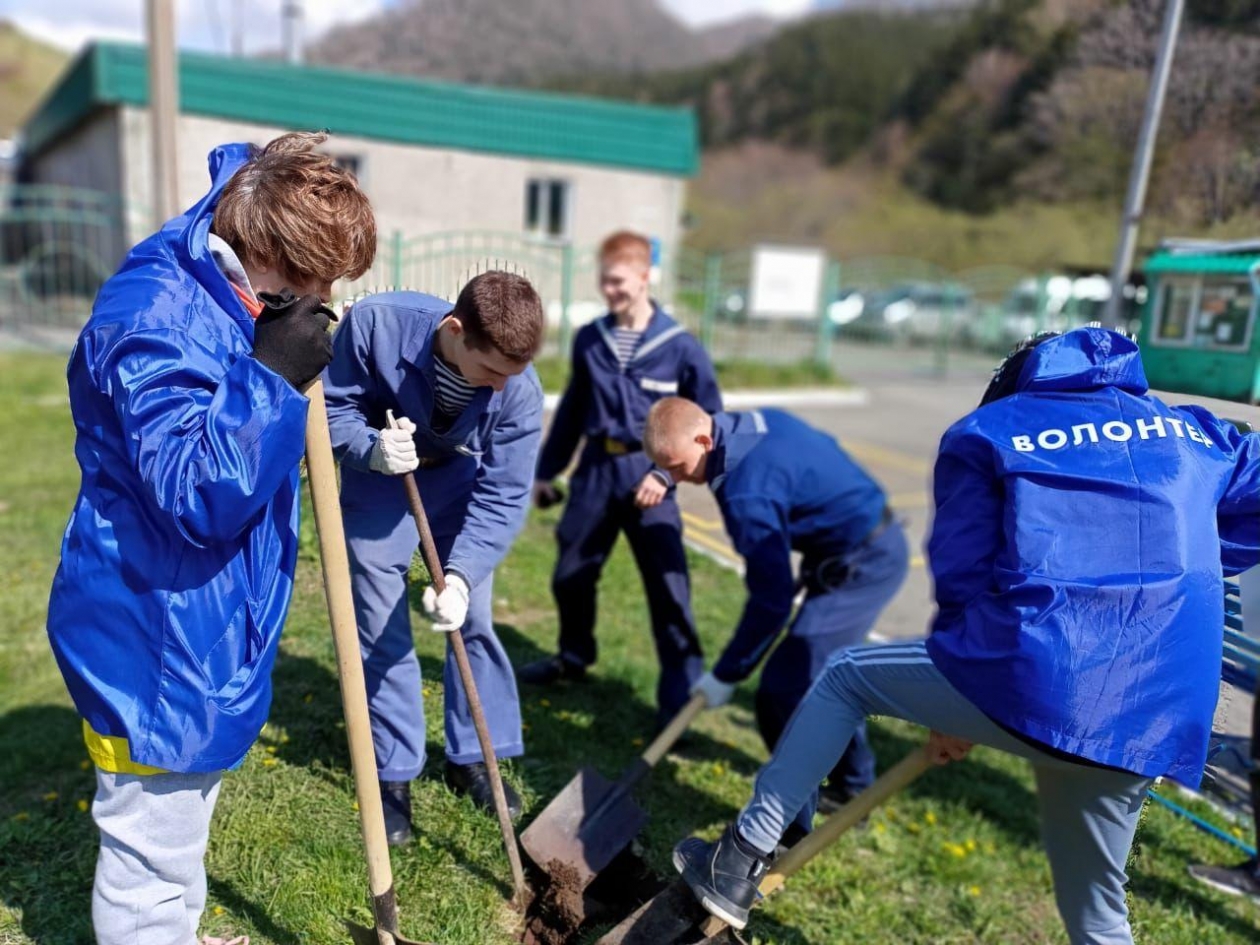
188	234
1083	359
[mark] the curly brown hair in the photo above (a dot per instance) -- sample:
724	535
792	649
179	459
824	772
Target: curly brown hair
292	209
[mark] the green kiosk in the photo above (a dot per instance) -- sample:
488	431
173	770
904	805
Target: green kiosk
1199	323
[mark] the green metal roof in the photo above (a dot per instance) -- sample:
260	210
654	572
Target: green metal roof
383	107
1236	257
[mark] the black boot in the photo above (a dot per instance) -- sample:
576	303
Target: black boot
794	834
723	875
474	781
551	670
396	799
1240	880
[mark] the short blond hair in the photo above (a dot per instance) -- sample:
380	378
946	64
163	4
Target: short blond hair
292	209
626	246
669	420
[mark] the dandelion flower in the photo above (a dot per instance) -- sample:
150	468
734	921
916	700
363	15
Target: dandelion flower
269	762
973	890
51	796
970	845
929	818
82	805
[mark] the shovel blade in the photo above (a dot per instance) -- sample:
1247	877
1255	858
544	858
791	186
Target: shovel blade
364	936
582	830
671	917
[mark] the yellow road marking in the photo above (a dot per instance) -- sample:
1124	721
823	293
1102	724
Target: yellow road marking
883	456
908	500
698	530
707	524
717	547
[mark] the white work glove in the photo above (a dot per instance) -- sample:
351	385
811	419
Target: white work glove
447	610
395	450
715	691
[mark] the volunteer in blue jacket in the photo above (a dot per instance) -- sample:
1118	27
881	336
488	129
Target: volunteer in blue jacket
1082	529
177	565
783	486
469	406
622	364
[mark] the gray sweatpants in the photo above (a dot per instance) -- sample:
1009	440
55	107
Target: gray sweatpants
150	884
1088	814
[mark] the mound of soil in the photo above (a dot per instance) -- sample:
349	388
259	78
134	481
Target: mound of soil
562	909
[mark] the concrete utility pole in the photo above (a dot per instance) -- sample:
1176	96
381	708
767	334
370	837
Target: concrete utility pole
163	107
1140	173
291	30
238	30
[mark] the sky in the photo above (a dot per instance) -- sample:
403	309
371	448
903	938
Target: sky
207	24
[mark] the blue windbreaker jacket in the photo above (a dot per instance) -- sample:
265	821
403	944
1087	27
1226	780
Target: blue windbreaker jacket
604	401
1081	531
177	564
782	486
478	487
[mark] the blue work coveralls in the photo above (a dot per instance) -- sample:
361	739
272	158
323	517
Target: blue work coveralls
475	478
177	563
608	405
784	486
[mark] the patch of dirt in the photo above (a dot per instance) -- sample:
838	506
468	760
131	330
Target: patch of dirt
562	909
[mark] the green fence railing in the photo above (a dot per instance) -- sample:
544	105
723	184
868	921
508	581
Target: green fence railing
57	245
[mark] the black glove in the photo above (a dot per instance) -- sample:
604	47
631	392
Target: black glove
291	336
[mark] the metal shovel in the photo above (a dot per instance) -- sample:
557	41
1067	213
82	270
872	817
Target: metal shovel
675	917
322	474
592	820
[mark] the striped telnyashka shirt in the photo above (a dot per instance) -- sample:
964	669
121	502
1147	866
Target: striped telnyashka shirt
453	392
627	342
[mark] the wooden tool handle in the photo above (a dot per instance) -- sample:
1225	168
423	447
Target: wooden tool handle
322	476
429	549
886	785
674	730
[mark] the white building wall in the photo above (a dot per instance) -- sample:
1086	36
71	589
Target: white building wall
420	190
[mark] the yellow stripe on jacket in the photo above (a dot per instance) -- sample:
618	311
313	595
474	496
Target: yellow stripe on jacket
113	754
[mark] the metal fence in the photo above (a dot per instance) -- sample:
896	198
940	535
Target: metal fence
57	245
879	313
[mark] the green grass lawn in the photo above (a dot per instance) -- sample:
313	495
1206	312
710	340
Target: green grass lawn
955	859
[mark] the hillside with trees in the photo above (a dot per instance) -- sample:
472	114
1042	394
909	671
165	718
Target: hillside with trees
525	42
27	70
955	133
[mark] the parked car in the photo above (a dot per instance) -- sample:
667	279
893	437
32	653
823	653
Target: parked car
915	312
1060	303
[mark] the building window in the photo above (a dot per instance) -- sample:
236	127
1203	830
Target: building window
350	162
1212	312
547	208
1224	313
1176	302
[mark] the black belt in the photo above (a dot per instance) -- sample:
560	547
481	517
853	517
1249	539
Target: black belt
886	518
828	573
